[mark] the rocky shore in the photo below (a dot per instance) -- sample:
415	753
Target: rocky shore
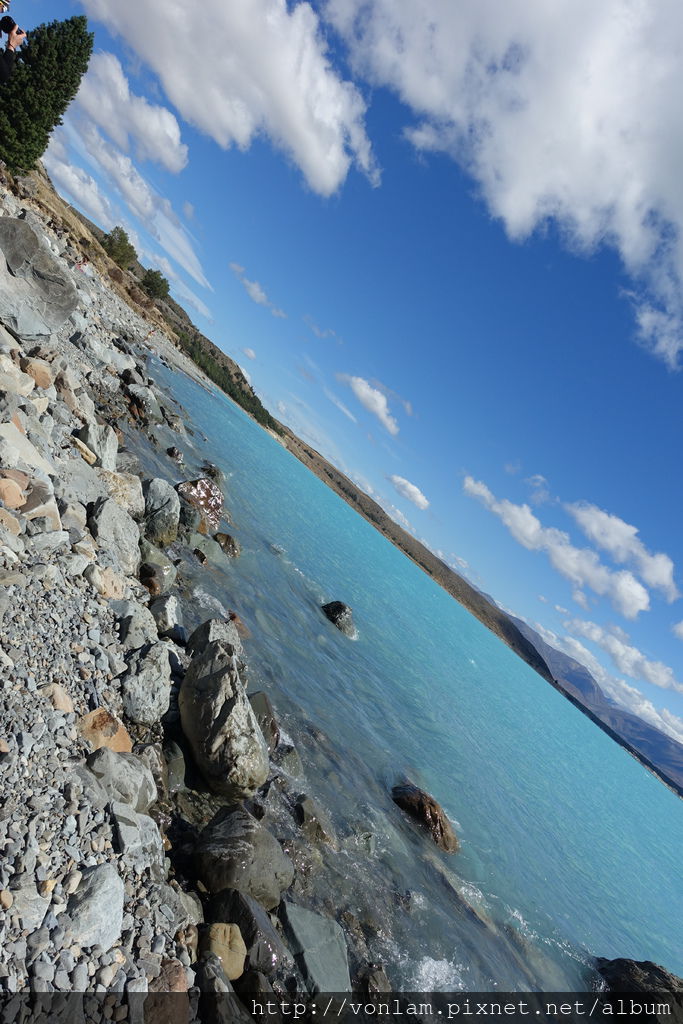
139	778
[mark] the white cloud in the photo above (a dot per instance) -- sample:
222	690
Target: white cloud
321	332
581	566
79	186
539	489
106	98
621	540
563	111
258	67
249	353
372	399
409	491
677	630
627	659
188	210
255	291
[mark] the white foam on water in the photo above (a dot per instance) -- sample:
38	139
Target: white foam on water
430	975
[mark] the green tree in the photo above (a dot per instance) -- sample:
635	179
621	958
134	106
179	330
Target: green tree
118	245
155	284
45	80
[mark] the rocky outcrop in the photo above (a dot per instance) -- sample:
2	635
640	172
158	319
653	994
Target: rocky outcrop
36	293
212	630
341	616
220	725
623	975
235	851
428	812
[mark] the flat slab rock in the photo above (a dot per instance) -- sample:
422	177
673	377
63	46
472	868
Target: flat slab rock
319	947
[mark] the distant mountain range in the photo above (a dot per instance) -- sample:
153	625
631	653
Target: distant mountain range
653	748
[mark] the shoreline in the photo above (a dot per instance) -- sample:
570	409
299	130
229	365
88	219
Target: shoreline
112	784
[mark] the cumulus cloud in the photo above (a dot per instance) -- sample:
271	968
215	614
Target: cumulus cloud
561	111
627	659
581	566
621	540
264	69
409	491
372	399
255	291
106	98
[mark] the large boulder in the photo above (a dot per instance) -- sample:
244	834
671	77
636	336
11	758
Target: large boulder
162	512
118	536
266	951
220	724
340	615
206	496
137	626
212	630
624	975
125	778
146	687
428	812
102	442
96	908
234	851
319	949
36	294
157	572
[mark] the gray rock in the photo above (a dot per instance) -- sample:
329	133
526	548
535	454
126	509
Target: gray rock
215	629
265	716
29	905
266	951
220	725
314	822
218	1002
234	851
136	624
168	617
319	949
157	572
78	483
146	687
162	512
124	777
340	614
36	294
118	536
175	765
139	840
624	975
102	442
145	399
96	908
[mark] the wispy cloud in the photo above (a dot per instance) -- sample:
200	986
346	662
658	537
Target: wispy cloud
249	353
339	404
255	291
627	658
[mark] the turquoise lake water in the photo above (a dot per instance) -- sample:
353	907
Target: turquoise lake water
569	847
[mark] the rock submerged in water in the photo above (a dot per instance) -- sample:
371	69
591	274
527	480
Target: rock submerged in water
624	975
340	615
425	809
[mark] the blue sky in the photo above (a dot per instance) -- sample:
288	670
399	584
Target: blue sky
444	241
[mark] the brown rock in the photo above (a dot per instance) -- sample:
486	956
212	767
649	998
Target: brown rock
6	899
168	1001
106	582
41	372
23	479
229	545
4	746
102	729
173	978
426	810
9	522
225	940
11	494
59	698
206	496
85	452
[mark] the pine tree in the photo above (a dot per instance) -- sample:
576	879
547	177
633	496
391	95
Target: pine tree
155	284
118	245
45	80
